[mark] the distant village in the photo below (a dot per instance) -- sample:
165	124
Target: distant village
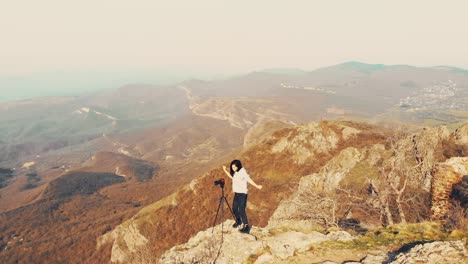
445	95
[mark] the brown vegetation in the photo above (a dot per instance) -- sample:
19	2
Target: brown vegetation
75	209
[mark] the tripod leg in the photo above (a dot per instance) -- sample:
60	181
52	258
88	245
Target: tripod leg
217	211
222	222
230	209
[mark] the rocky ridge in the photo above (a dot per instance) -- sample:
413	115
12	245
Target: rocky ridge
227	245
224	244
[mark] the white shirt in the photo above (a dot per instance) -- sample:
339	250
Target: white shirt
239	181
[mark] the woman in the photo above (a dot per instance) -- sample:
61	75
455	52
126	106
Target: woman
240	178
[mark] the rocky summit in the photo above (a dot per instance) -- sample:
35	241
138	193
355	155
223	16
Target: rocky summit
224	244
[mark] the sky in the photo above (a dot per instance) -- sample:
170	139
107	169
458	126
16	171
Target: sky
56	42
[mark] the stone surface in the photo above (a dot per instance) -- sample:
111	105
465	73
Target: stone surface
445	176
206	247
372	259
126	239
349	132
435	252
339	236
266	259
261	245
308	140
327	179
424	144
286	244
461	134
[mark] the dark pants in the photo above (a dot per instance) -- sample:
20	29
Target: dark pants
238	206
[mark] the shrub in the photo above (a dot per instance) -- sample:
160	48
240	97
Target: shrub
28	186
458	217
5	174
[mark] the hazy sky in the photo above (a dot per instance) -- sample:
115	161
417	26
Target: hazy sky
227	36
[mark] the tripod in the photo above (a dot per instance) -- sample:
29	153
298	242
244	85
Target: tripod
220	206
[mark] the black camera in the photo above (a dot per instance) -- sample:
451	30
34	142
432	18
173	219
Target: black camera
219	182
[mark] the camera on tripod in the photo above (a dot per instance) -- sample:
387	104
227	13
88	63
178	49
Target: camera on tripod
219	182
222	200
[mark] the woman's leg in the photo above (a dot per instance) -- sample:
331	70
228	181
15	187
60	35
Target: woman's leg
235	208
242	206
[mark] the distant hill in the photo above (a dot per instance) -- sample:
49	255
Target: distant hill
285	71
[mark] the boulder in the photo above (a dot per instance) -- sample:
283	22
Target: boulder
435	252
286	244
461	135
339	236
126	239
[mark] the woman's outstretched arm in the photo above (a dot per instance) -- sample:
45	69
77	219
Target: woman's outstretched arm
254	184
227	172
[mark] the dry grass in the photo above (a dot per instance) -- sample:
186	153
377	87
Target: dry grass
392	237
449	148
144	255
458	217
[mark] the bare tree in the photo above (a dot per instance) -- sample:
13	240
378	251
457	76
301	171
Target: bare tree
351	200
383	201
398	169
319	207
143	255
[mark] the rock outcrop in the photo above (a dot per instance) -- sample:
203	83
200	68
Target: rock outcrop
435	252
444	252
306	141
425	144
329	177
131	240
446	175
261	246
127	239
461	135
288	214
